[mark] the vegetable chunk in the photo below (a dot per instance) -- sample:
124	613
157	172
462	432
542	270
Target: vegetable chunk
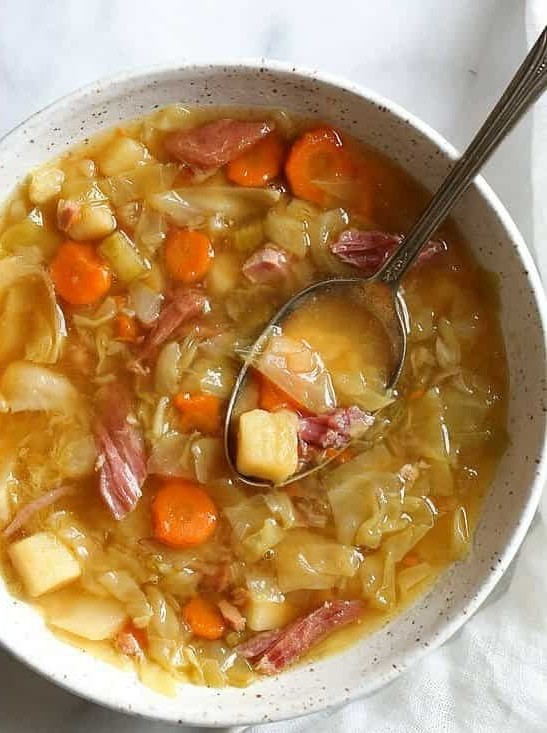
43	563
267	445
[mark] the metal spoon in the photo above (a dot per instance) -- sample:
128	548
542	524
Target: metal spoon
384	287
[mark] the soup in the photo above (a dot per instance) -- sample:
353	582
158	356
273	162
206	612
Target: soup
136	272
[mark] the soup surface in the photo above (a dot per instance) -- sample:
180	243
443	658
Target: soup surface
135	273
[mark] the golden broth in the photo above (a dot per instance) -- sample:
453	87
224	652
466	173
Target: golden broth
436	444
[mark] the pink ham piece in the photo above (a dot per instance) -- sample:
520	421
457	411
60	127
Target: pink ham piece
259	644
335	428
122	457
127	644
273	651
232	615
183	306
266	265
214	144
368	250
25	514
68	212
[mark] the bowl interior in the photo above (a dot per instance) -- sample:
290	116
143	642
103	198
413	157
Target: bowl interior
514	495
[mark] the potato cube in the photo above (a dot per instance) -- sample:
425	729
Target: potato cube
267	444
43	563
45	184
94	222
120	155
85	615
263	615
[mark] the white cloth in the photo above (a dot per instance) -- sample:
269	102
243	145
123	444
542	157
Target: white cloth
447	62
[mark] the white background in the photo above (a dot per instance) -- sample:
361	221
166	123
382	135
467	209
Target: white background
444	60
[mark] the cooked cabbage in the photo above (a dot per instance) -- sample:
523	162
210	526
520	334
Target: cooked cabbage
26	386
33	326
305	560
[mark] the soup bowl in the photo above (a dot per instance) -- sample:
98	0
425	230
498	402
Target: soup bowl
509	508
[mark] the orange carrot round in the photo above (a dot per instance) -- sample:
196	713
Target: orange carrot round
188	255
318	154
80	276
201	412
258	165
126	328
183	514
203	618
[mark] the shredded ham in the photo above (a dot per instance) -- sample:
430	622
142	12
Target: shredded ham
272	651
232	615
368	250
266	265
127	644
29	510
122	457
259	644
68	212
210	146
335	428
183	306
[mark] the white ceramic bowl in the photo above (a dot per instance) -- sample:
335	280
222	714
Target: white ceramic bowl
514	496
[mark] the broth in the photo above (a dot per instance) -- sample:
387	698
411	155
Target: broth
103	399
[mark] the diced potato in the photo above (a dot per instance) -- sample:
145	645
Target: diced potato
267	445
85	615
126	261
224	274
120	155
43	563
45	184
264	615
95	222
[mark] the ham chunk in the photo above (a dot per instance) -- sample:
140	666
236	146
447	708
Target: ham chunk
214	144
183	306
368	250
232	615
122	457
272	651
266	265
68	212
335	428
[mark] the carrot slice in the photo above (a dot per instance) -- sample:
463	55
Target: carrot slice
201	412
126	327
258	165
183	514
188	255
204	618
79	274
273	398
317	155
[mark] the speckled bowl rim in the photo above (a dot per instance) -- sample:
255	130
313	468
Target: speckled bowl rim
48	668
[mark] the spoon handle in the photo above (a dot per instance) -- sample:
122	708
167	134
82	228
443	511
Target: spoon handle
526	86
